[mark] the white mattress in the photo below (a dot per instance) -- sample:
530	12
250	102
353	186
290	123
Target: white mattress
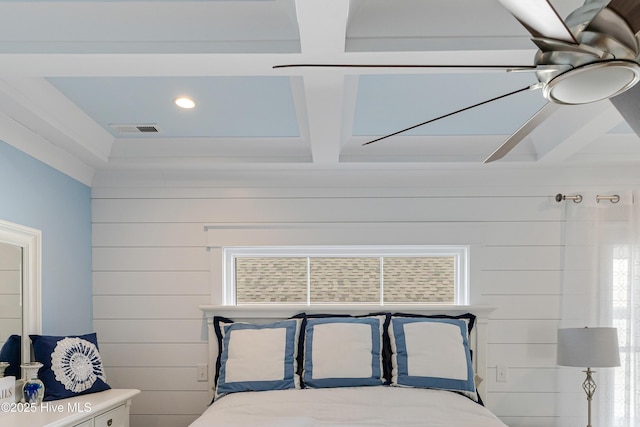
357	406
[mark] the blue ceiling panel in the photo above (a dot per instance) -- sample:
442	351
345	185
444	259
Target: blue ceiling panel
388	103
225	106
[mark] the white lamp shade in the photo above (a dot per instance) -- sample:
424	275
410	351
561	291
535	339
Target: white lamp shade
588	347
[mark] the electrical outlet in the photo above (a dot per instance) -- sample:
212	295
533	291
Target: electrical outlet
202	372
501	373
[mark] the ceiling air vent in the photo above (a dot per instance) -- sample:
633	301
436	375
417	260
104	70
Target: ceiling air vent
130	129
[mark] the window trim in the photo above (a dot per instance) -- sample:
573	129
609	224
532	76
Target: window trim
459	252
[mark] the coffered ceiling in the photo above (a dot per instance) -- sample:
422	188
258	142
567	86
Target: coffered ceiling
79	79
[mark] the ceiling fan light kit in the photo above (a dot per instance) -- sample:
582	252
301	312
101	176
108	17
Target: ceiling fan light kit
592	82
604	61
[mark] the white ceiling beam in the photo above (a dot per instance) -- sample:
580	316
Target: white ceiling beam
240	64
322	25
29	142
324	96
349	106
323	28
46	111
572	128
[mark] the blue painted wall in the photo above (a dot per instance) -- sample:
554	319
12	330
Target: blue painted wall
38	196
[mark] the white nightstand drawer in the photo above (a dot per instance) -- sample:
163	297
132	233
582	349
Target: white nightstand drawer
109	408
116	417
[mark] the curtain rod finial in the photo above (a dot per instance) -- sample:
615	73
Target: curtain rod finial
576	199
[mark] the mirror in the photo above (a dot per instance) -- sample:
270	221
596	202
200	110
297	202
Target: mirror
22	248
10	300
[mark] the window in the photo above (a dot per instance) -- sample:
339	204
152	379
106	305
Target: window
346	275
625	385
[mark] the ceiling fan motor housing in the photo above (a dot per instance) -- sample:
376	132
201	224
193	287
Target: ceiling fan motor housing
603	64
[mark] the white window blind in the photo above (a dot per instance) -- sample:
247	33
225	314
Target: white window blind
350	275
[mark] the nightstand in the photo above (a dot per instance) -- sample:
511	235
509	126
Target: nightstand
108	408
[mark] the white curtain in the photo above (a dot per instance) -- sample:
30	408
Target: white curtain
601	287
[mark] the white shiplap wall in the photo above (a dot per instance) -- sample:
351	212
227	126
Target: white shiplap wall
152	267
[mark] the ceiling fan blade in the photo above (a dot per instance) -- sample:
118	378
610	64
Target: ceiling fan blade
540	19
607	21
540	116
628	104
486	67
451	114
629	10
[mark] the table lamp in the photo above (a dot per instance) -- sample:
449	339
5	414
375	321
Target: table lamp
588	348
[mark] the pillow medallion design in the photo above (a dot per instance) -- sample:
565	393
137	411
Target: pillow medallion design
71	365
76	363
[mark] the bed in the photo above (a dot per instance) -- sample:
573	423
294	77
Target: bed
403	366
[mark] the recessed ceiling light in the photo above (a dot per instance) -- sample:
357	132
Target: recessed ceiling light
184	102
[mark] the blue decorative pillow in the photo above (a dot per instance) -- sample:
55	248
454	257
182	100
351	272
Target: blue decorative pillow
258	357
71	365
218	323
432	353
343	352
11	352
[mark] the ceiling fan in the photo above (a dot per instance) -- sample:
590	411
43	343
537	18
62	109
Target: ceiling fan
593	55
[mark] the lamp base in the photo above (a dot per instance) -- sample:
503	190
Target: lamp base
589	386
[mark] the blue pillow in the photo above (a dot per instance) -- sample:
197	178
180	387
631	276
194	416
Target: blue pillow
71	365
258	357
432	353
218	323
12	352
343	352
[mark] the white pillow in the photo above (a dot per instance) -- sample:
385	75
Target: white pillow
258	357
343	352
431	353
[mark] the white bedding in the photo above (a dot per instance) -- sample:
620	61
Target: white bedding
338	407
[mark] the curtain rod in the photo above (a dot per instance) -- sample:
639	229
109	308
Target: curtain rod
578	198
